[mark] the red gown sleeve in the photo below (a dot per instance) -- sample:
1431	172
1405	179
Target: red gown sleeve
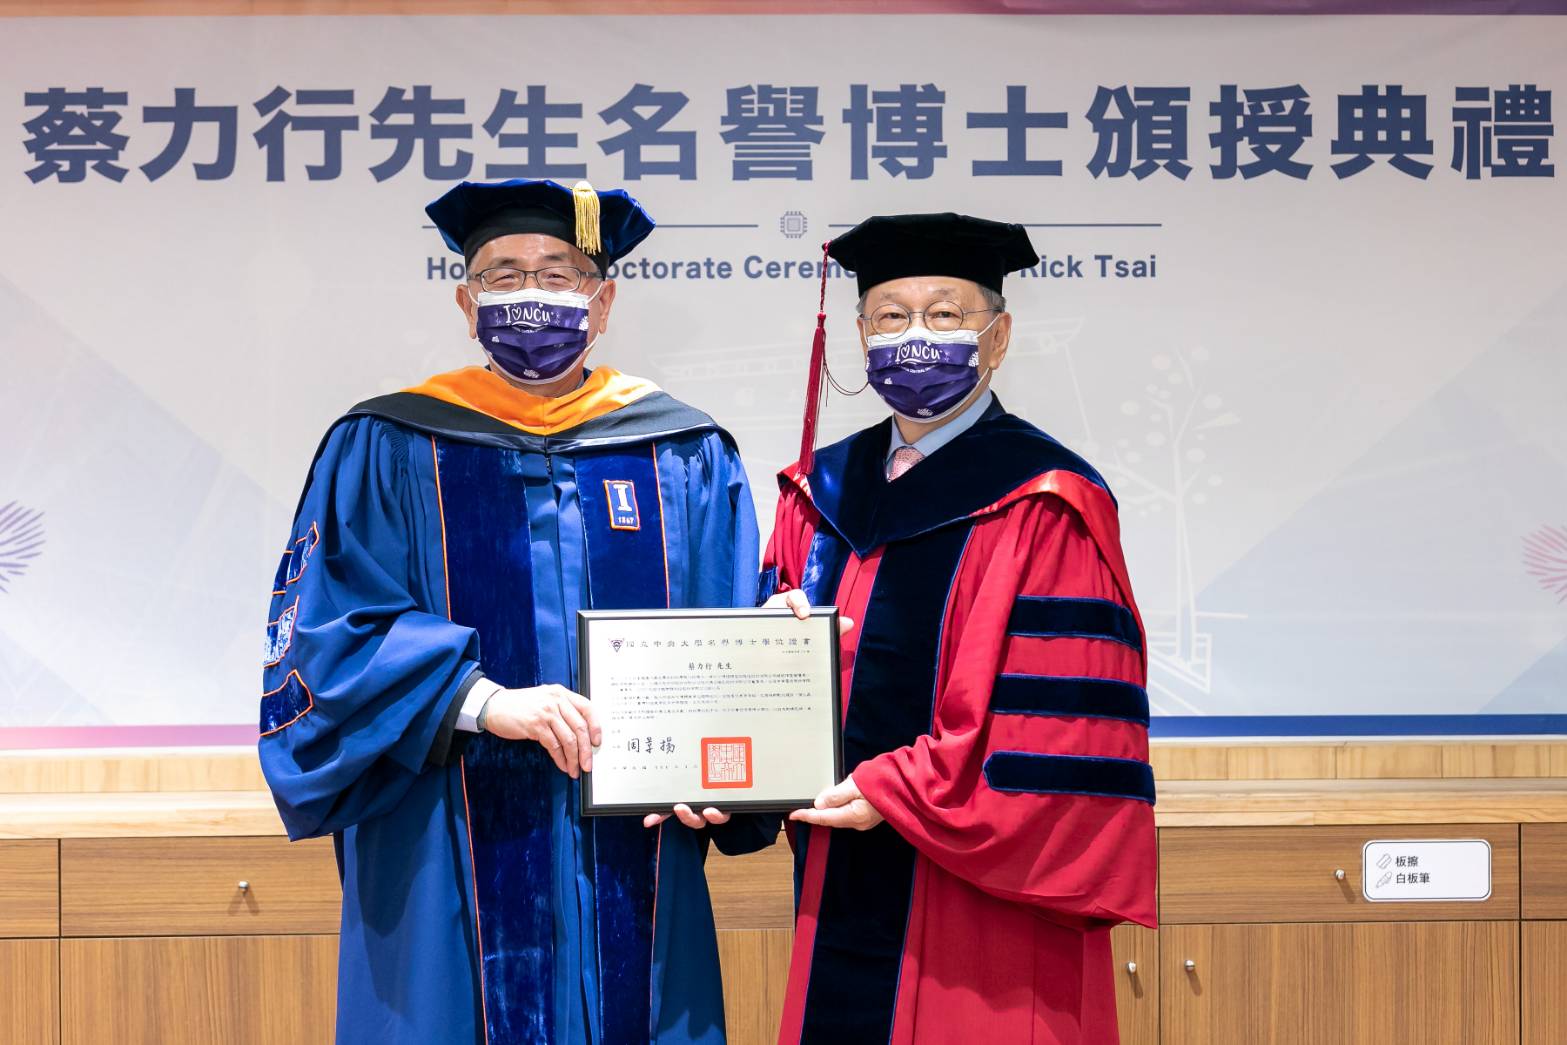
1052	841
793	526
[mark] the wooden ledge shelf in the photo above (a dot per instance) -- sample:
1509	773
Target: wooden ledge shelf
1182	803
1302	761
1245	803
162	814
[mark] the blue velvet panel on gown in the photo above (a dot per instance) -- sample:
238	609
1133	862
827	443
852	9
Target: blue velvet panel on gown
590	930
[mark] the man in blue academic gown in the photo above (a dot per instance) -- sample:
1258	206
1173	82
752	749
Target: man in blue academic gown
421	658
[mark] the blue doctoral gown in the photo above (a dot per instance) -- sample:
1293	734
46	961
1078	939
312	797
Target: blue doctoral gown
434	542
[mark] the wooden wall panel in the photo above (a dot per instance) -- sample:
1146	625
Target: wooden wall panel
175	886
199	990
30	888
1499	760
1359	760
1189	762
30	992
755	891
1389	761
755	966
1280	762
158	769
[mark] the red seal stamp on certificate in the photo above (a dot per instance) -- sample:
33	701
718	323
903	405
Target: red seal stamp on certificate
726	761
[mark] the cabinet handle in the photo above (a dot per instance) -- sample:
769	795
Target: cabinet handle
1131	967
244	886
1191	966
1339	874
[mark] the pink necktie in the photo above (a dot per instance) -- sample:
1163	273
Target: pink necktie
903	458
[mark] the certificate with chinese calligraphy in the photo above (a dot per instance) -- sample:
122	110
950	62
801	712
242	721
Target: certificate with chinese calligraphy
737	709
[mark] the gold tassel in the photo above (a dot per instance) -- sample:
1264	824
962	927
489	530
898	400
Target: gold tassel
588	239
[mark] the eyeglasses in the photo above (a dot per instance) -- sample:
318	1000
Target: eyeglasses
503	279
892	320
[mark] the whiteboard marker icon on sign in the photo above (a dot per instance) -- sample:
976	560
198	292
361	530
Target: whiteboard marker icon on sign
1427	869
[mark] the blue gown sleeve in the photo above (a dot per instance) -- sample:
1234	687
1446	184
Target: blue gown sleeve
362	663
724	544
723	516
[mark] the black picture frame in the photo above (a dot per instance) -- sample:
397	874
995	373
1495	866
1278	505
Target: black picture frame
587	618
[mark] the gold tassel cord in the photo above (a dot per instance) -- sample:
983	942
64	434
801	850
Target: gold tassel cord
589	241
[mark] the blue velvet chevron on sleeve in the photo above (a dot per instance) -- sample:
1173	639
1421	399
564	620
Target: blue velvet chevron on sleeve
361	662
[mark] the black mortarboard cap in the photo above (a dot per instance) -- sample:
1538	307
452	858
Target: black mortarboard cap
894	246
606	226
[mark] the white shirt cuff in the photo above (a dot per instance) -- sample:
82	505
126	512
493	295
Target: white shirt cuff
473	703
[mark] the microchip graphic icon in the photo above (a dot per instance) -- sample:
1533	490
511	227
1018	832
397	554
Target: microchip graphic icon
793	224
622	497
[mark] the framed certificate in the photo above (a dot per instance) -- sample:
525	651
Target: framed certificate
738	709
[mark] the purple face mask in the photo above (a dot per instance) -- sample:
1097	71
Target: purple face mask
534	335
923	374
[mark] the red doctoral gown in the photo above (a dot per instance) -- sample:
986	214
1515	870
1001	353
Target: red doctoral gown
995	715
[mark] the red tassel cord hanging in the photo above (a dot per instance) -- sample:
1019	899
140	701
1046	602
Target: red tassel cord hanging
815	387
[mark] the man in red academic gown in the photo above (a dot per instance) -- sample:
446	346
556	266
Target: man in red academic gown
960	885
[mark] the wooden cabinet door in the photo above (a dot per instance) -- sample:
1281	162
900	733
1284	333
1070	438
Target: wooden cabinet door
199	990
29	991
1544	983
1399	983
1311	874
1544	859
1136	983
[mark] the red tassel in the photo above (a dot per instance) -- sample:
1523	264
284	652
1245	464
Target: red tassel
814	390
813	395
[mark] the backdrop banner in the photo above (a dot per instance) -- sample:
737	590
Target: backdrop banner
1300	298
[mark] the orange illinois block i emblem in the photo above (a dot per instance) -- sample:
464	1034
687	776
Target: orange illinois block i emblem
622	497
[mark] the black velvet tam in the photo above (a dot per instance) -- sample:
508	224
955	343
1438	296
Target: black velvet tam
471	214
894	246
